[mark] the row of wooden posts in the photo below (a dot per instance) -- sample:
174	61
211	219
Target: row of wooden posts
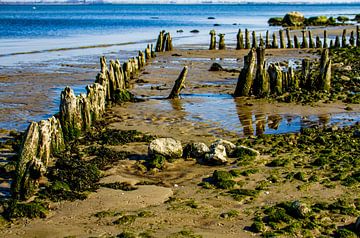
46	138
308	40
257	79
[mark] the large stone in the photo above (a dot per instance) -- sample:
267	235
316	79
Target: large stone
294	19
300	209
217	155
167	147
229	147
196	150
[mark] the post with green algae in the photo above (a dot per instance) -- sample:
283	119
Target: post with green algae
160	42
179	84
168	42
275	78
318	42
254	40
282	40
293	80
289	45
274	42
337	42
261	83
343	39
148	53
311	40
222	45
212	40
296	42
267	40
239	40
352	39
261	41
247	74
304	42
325	45
324	79
247	39
306	74
357	36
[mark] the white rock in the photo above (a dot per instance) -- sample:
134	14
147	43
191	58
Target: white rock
167	147
230	147
197	149
217	155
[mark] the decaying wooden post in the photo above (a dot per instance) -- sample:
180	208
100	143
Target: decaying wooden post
311	40
164	42
331	44
212	40
293	80
296	42
275	77
274	42
261	83
254	40
267	40
222	42
247	39
304	42
148	53
261	41
246	77
352	39
285	81
343	39
160	42
337	42
325	45
324	80
168	43
357	36
318	42
153	54
179	84
306	75
289	45
239	40
282	40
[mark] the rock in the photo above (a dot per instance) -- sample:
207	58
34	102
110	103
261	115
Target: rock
196	150
347	68
294	19
211	18
345	78
216	67
194	31
242	150
300	209
217	155
357	226
229	147
356	133
167	147
275	21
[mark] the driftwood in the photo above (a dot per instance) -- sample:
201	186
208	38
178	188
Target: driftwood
324	79
212	40
148	55
168	43
179	84
246	77
222	42
160	42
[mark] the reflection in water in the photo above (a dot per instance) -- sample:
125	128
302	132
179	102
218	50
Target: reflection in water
176	104
260	123
246	122
274	121
324	119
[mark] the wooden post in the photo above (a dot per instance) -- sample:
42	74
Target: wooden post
293	80
324	80
289	45
179	84
325	45
147	53
337	42
168	45
318	42
305	42
306	75
247	39
357	36
311	41
352	39
261	41
261	82
296	42
275	76
153	54
267	41
343	39
254	40
212	40
239	40
160	42
285	82
275	42
222	42
282	40
331	44
246	77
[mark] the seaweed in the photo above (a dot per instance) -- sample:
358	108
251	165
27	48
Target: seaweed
34	209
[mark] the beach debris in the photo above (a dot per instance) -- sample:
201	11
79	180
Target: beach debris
293	19
352	39
212	40
222	45
217	155
239	40
240	151
195	150
300	209
167	147
179	84
247	75
318	43
296	42
160	41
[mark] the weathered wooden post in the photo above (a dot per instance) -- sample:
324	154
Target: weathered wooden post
261	41
261	83
247	39
352	39
246	77
289	45
293	80
324	80
222	42
343	39
153	54
282	40
337	42
318	42
239	40
275	76
212	40
267	41
311	40
147	53
160	42
254	40
357	36
274	42
325	45
306	75
285	81
331	44
168	45
179	84
304	42
296	42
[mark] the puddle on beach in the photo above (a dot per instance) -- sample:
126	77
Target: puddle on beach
223	111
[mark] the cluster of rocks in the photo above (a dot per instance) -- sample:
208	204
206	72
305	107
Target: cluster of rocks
218	153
